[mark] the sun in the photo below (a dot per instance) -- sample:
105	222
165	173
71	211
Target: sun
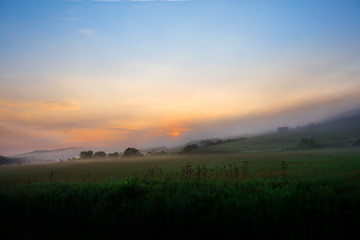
178	132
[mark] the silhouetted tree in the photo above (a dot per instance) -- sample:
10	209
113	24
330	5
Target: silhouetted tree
114	155
132	152
86	154
100	154
357	143
190	148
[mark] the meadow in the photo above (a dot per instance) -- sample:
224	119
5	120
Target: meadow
314	164
312	194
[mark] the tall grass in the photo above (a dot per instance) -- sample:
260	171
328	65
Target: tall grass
187	208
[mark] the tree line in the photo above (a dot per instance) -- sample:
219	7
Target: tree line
129	152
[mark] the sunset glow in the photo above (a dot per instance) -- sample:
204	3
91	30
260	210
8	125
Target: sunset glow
160	73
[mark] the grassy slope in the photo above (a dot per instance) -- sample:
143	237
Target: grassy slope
336	134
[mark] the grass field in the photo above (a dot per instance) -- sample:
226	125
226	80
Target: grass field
315	164
283	195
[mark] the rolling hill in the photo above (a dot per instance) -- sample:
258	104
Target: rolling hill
340	131
50	155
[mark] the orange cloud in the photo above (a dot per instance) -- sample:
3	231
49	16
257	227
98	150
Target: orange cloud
95	135
41	105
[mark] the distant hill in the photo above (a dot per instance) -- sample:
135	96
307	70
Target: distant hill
8	161
344	115
52	151
51	155
342	130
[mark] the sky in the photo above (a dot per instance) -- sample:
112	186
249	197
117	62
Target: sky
114	74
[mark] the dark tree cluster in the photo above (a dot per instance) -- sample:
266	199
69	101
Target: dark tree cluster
132	152
114	155
129	152
87	154
190	148
100	154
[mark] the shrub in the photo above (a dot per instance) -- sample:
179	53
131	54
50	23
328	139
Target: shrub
132	152
100	154
114	155
190	148
86	154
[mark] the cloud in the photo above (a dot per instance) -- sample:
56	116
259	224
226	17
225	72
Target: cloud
122	129
41	105
86	31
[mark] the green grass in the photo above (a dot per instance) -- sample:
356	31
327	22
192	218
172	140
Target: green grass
315	196
250	209
323	163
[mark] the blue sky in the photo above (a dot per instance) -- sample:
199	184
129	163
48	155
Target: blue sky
176	31
160	67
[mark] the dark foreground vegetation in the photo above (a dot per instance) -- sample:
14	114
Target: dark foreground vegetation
254	196
189	209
